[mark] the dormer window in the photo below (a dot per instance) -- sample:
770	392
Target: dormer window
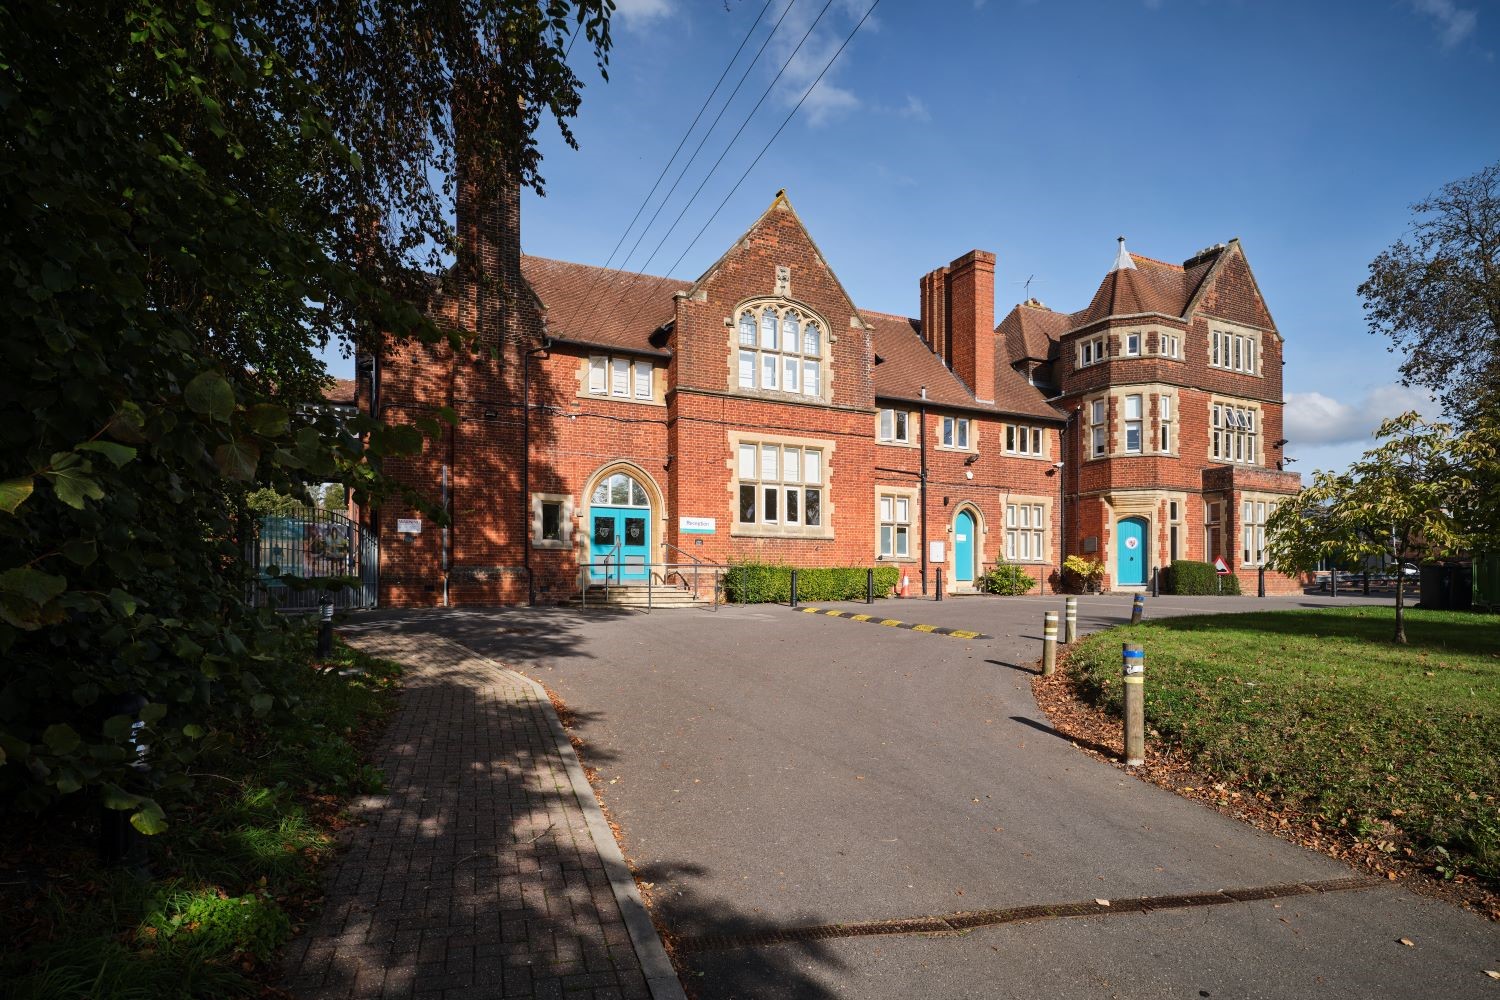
780	348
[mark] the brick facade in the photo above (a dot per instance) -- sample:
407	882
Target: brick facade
762	407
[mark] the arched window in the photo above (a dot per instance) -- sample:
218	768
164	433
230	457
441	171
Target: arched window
619	490
780	348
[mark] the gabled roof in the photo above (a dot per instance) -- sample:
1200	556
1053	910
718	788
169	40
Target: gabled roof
906	365
601	306
1030	331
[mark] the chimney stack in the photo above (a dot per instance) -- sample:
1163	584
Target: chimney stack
488	214
958	319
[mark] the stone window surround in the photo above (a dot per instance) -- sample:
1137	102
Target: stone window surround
913	434
1044	455
1235	329
1046	501
912	495
732	489
1114	438
937	433
780	303
564	521
1260	430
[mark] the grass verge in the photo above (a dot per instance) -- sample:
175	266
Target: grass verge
228	881
1319	714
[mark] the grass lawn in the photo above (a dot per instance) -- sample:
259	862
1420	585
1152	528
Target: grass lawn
1400	744
228	879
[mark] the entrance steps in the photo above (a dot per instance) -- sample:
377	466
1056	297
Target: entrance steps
632	595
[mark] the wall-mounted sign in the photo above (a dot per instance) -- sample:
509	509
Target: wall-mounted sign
409	525
935	552
696	525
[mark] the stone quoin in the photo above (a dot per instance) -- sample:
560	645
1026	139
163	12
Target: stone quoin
614	419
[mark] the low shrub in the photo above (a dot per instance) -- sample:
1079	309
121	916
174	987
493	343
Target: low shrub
771	583
1083	573
1008	580
1189	578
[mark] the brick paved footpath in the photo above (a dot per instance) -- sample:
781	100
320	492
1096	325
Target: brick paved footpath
486	868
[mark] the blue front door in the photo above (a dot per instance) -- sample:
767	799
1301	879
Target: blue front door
619	530
963	547
1130	552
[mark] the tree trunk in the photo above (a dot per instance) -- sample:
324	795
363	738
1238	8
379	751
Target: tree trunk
1400	637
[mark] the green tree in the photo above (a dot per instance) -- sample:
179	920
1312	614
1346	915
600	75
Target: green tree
199	194
1398	500
1436	294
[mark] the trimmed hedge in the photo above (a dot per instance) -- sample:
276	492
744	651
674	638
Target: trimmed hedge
771	583
1006	579
1189	578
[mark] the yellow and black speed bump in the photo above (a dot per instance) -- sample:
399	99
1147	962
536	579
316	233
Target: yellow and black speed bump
957	633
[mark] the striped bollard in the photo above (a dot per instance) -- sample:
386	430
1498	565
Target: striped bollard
1049	643
1134	666
1070	620
1138	609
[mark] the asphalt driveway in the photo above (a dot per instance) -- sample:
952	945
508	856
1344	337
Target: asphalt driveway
772	769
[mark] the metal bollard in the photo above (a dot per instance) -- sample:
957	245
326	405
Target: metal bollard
869	586
1260	583
1070	620
1155	581
794	588
1049	643
939	595
1138	609
1134	665
325	627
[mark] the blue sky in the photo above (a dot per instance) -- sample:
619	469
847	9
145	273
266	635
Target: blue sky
1041	131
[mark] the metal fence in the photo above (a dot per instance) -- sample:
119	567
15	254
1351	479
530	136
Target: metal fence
300	557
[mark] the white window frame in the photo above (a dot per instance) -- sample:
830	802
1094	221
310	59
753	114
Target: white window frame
1234	433
782	477
1098	427
1133	344
1026	529
894	426
1235	352
1136	424
1093	350
621	378
1169	345
1023	439
1165	421
1253	514
786	353
893	517
955	433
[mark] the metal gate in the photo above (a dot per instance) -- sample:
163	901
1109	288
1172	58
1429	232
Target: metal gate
300	557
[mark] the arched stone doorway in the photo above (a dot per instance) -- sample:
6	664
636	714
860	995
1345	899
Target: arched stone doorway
622	525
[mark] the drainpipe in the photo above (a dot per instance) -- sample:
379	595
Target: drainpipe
922	479
526	464
448	490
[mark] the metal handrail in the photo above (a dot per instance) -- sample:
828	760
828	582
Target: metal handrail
667	568
696	561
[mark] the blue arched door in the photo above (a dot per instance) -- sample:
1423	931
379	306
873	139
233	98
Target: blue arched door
1130	552
619	530
963	547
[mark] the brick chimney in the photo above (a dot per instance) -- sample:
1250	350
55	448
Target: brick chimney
488	211
958	319
934	286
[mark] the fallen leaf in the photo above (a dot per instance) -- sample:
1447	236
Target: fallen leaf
1102	902
1492	973
1408	942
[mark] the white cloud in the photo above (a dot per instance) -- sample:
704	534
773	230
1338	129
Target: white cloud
1454	23
636	12
914	109
1313	419
826	99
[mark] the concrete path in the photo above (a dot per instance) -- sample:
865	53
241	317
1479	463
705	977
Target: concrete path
775	771
486	869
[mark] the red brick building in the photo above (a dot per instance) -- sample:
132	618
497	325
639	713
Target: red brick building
609	422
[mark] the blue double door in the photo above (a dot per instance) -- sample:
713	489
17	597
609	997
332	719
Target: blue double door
619	543
1130	552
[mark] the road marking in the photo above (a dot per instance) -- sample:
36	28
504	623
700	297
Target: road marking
959	923
957	633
